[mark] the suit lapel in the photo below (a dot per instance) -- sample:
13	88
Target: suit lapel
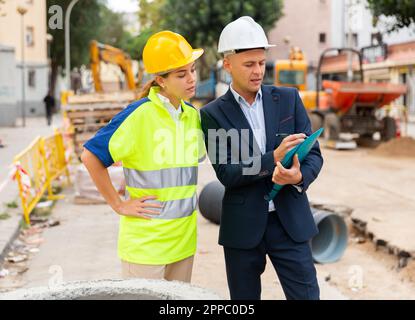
233	112
271	106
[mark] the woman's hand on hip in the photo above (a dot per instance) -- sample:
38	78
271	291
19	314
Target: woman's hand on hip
138	208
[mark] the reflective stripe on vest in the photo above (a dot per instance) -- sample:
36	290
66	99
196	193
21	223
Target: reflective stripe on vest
173	209
162	178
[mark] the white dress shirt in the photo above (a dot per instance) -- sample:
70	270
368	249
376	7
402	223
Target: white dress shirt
254	113
174	113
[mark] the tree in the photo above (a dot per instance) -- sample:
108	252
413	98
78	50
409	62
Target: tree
112	29
90	20
402	10
135	45
149	16
202	21
150	13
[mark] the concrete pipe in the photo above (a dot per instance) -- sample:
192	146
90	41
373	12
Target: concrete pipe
134	289
331	242
327	247
210	201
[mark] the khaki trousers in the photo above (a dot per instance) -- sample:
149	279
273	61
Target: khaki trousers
180	270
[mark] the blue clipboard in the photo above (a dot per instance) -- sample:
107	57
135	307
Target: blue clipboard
302	150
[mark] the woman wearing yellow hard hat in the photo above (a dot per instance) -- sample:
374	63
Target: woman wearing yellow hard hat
158	141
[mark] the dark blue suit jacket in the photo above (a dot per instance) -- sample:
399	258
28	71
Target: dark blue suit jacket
245	207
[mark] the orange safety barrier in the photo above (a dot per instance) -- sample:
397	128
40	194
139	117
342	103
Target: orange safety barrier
37	167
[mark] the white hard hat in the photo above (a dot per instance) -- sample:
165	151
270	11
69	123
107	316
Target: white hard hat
243	33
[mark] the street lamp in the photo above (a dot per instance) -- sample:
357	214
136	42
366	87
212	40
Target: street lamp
22	11
67	42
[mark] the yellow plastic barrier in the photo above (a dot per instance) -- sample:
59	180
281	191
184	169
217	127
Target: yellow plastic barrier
65	95
54	157
37	167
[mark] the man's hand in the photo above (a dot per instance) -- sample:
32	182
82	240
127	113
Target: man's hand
287	144
136	208
283	176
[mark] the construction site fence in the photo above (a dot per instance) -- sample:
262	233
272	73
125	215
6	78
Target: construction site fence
36	167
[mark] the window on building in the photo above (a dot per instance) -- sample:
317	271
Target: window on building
322	38
354	40
30	36
31	79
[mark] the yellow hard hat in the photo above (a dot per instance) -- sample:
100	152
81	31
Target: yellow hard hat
166	51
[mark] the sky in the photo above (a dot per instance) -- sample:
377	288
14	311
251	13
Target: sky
123	5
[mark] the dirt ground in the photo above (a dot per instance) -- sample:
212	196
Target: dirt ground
83	245
403	147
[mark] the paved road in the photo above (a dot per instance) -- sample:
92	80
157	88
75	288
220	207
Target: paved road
15	140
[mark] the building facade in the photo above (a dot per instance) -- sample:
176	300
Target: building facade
305	24
8	102
36	66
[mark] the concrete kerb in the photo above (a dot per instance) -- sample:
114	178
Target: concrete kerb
12	227
5	249
5	246
134	289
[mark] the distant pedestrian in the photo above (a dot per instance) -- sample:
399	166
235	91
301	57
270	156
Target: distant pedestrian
49	101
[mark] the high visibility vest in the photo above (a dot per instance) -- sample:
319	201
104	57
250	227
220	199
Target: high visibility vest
160	157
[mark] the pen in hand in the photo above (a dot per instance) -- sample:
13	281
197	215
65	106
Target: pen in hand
284	135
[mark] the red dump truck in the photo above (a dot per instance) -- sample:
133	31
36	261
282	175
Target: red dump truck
351	107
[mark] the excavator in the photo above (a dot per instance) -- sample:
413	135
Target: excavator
106	53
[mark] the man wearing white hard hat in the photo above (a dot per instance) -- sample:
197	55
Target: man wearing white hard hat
270	121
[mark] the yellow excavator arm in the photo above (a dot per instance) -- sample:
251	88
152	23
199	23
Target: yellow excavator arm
103	52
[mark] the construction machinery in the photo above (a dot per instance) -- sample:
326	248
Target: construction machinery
105	53
347	110
293	71
353	106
